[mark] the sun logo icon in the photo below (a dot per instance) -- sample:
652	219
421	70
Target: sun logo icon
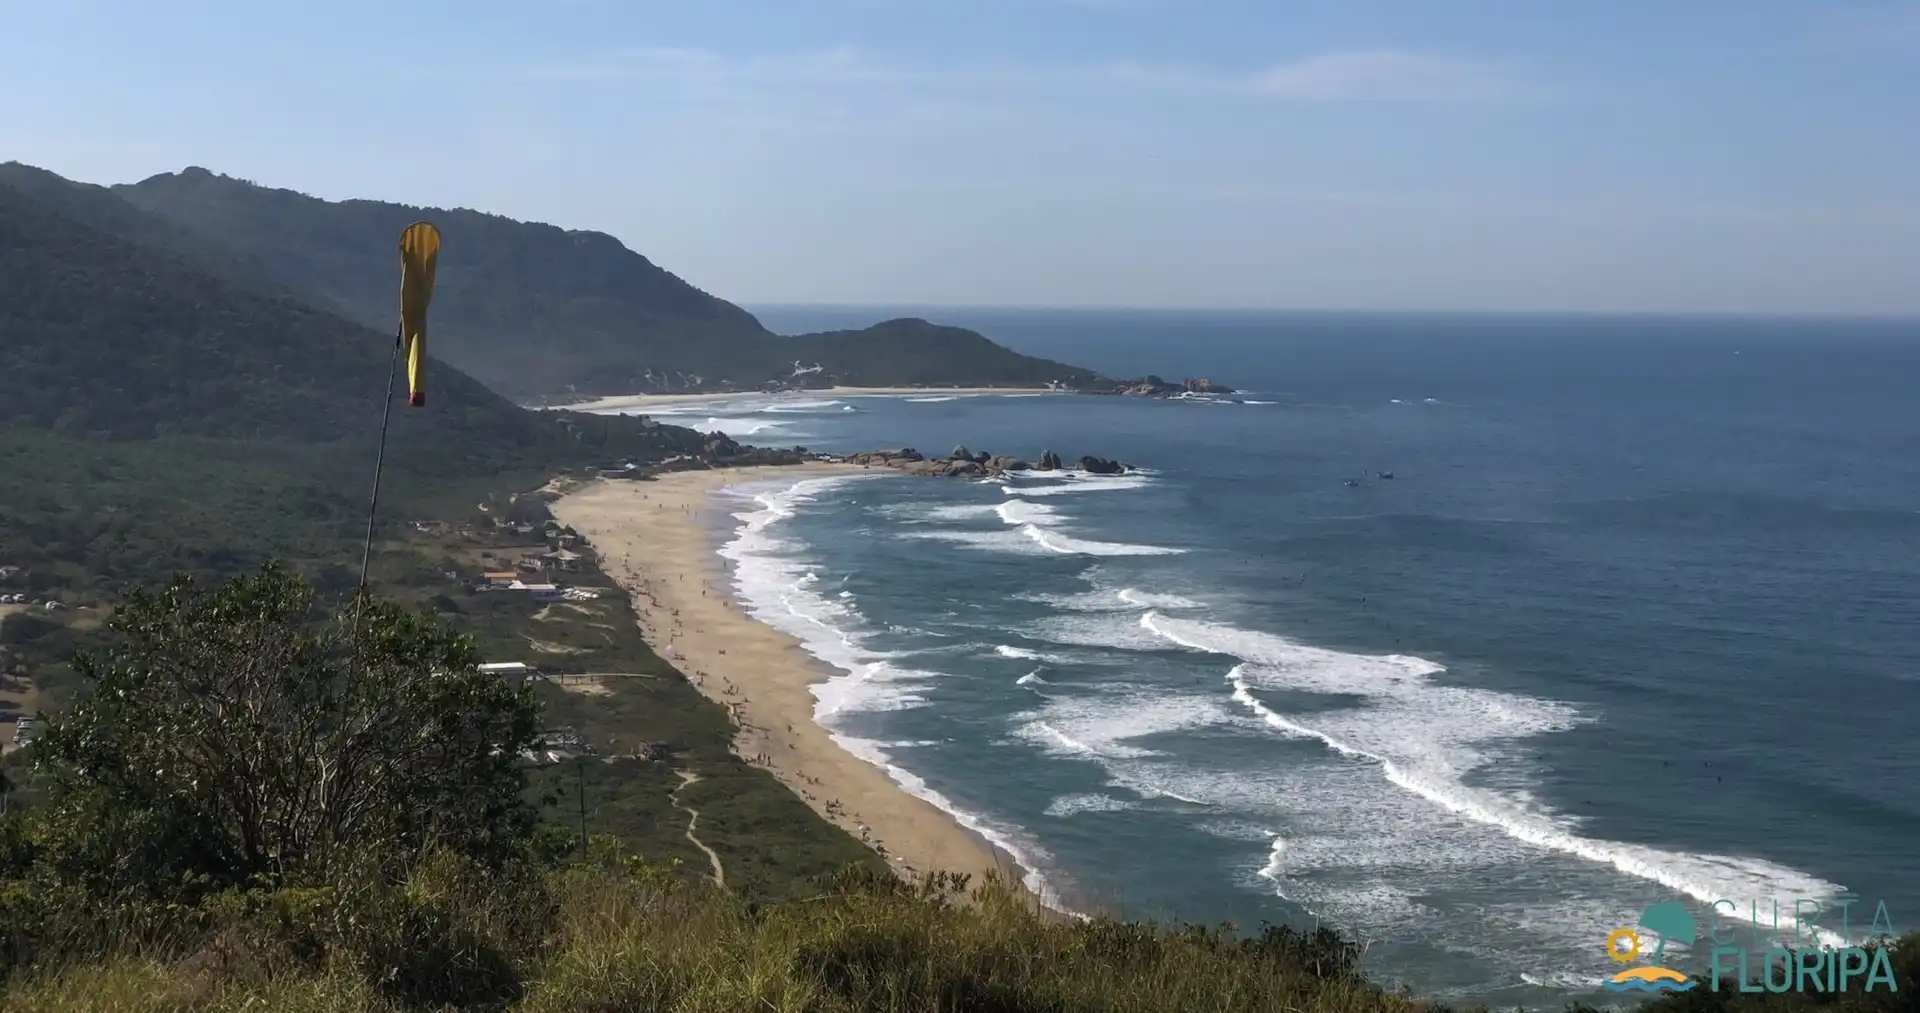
1623	945
1670	923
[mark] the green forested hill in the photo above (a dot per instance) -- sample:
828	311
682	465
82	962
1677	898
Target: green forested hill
156	414
533	310
103	338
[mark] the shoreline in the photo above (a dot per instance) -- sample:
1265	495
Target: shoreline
619	401
654	541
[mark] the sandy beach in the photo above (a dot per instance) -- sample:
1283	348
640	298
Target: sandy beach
652	541
643	401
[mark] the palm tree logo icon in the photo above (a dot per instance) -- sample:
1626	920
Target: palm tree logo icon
1668	922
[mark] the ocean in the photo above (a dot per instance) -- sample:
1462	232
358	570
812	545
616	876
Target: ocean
1633	620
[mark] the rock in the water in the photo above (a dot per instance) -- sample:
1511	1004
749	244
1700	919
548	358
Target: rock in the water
919	466
884	458
974	465
960	453
1153	386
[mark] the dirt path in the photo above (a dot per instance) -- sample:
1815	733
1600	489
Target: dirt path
688	777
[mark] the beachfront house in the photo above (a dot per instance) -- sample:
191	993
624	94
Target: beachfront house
500	579
540	592
563	559
510	671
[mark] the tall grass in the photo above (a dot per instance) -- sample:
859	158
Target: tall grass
611	934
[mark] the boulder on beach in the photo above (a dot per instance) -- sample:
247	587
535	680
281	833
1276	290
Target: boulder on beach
960	453
1007	462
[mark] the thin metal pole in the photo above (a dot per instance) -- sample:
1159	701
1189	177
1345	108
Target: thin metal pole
379	461
580	765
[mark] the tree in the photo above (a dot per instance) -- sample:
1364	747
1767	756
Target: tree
238	736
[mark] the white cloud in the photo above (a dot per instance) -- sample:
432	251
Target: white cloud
1377	75
1372	75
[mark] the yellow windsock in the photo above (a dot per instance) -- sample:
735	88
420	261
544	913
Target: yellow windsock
419	254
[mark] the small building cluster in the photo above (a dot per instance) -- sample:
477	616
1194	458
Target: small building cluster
23	731
540	591
556	745
51	604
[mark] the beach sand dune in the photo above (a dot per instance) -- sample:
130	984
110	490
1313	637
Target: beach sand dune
651	540
637	402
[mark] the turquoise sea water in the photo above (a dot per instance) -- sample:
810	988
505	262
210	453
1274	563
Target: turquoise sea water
1634	620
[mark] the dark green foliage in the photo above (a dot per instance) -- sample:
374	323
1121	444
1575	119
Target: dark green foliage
534	310
1905	998
236	736
102	338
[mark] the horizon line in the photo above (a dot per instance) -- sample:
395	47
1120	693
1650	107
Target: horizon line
1855	316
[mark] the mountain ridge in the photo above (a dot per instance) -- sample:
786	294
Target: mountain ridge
536	311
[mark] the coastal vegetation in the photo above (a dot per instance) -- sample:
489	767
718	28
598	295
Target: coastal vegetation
267	802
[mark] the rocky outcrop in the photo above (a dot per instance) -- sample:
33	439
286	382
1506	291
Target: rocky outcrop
1153	386
886	458
964	463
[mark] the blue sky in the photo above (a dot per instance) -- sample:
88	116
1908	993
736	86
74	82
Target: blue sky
1609	155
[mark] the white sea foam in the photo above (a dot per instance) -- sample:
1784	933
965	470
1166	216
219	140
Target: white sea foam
930	400
786	407
1108	631
1426	738
1019	511
1108	724
1034	539
777	588
1067	545
1040	521
1026	853
1092	802
1147	599
1104	483
1105	596
1004	540
1009	651
736	426
1031	679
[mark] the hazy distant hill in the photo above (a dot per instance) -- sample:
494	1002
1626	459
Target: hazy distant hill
104	338
533	310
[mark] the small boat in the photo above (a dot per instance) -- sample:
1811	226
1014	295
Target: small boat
1353	483
1384	474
